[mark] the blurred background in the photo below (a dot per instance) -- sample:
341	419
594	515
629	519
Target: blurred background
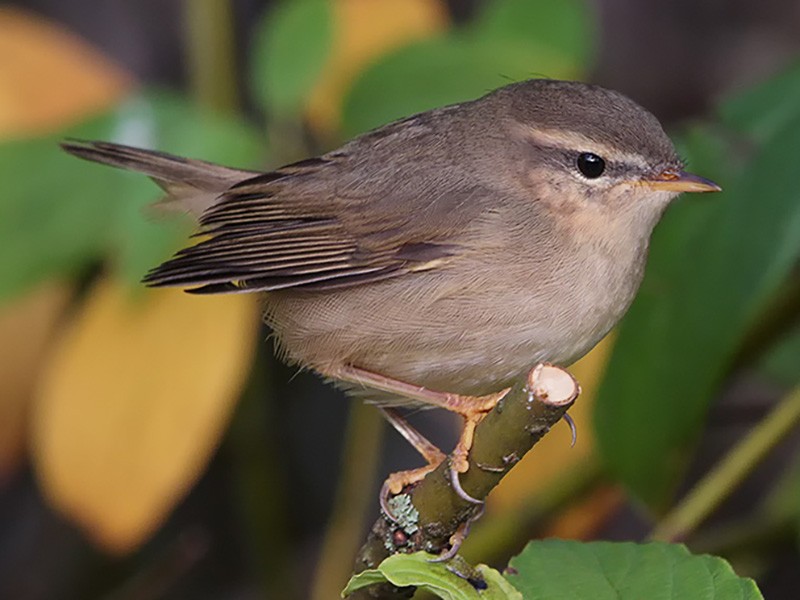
151	446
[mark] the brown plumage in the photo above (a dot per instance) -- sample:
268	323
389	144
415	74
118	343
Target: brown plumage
452	249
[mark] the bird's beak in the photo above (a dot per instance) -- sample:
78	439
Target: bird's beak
680	181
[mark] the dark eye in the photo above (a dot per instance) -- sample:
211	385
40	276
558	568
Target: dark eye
591	165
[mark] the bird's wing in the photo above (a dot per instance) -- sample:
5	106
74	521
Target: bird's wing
320	224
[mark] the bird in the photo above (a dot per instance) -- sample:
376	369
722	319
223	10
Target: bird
430	262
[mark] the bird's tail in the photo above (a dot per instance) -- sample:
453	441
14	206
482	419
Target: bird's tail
192	186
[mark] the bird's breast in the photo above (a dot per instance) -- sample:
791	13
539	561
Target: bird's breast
471	327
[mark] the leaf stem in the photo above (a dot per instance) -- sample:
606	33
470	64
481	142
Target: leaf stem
722	480
210	49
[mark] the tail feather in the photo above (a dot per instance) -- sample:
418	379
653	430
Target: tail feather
192	185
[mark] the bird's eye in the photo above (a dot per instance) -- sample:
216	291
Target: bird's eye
591	165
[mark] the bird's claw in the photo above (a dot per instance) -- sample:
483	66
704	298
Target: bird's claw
455	482
397	482
457	539
573	429
383	500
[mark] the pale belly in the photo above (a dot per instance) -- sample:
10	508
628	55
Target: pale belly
455	333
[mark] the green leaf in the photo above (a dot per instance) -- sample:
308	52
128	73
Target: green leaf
715	262
292	43
782	362
763	110
59	214
443	71
439	578
566	26
555	569
512	40
50	222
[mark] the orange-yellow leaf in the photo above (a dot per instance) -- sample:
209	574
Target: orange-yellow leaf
583	520
49	76
553	455
26	327
365	30
134	402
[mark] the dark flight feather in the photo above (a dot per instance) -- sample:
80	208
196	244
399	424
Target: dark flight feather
264	235
318	224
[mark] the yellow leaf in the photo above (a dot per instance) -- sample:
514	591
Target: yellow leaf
552	455
134	401
365	30
49	76
26	327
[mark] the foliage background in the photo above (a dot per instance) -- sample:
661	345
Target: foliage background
151	447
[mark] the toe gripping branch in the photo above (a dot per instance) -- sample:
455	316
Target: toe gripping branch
448	493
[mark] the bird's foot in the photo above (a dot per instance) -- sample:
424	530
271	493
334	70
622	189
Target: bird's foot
397	482
455	541
474	410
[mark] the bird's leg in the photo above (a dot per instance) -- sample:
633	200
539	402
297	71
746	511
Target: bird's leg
472	408
395	483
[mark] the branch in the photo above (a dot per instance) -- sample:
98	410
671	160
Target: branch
434	512
728	474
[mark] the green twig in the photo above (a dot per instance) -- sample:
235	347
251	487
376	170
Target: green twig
722	480
763	534
211	54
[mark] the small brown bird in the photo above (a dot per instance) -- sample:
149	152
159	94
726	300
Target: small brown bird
435	259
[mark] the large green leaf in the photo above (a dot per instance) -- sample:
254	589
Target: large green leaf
291	48
782	363
442	71
556	569
566	26
52	219
513	40
763	110
714	264
58	214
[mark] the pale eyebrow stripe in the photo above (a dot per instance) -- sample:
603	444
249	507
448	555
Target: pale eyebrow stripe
570	140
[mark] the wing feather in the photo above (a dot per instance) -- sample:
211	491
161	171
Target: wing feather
291	228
